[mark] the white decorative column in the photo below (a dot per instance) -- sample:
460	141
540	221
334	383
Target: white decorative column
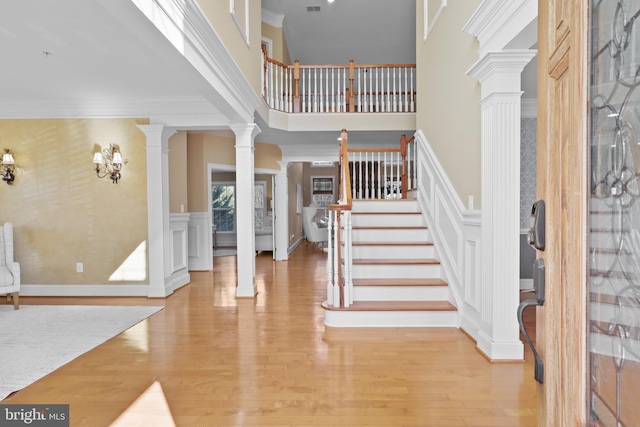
282	213
158	209
245	209
499	73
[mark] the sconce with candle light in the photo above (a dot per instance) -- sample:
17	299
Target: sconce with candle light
109	163
7	167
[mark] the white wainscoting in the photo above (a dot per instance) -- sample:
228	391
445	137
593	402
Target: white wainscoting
456	233
200	244
178	259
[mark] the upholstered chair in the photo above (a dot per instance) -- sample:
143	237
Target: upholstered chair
312	230
9	269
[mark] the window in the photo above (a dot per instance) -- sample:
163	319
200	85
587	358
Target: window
223	206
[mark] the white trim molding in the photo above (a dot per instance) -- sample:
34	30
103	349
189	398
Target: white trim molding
273	19
428	25
496	22
242	22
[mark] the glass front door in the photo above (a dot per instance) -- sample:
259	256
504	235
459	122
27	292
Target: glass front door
614	265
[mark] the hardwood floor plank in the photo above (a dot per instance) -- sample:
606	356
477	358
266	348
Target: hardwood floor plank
270	361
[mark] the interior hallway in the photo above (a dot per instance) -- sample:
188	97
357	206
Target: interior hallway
223	361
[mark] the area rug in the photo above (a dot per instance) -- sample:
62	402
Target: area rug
225	252
38	339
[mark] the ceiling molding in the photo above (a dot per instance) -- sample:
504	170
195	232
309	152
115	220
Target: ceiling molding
496	22
273	19
529	108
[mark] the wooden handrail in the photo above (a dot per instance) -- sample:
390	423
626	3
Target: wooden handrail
339	87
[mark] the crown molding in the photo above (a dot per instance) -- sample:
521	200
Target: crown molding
496	22
273	19
529	108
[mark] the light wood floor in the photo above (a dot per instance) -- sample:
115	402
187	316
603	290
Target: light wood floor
226	362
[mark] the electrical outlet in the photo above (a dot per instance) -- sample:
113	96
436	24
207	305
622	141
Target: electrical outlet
79	267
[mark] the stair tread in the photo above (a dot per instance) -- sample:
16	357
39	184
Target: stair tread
399	282
394	306
403	261
395	243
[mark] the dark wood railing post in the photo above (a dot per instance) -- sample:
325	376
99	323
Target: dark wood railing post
352	73
296	93
403	152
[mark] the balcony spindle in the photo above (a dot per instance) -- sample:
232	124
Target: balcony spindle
330	264
413	107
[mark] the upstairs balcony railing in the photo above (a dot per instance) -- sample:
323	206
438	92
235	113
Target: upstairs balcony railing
362	88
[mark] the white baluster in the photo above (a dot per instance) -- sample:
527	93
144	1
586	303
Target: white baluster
406	88
330	265
398	174
321	92
370	89
309	99
395	99
378	190
315	90
336	277
366	175
413	107
290	90
333	90
388	90
270	66
377	90
348	281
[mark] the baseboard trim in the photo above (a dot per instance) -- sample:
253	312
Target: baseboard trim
126	290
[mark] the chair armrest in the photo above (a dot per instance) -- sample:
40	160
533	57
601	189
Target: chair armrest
14	268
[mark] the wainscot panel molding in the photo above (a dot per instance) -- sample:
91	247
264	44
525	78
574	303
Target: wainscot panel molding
199	242
179	224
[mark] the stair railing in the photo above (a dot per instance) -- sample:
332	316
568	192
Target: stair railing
383	173
363	88
340	256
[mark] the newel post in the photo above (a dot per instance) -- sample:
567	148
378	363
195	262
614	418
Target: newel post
350	90
404	179
296	93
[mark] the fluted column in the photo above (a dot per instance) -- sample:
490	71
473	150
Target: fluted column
158	208
500	74
245	209
282	213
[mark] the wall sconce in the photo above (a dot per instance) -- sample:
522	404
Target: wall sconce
109	163
8	167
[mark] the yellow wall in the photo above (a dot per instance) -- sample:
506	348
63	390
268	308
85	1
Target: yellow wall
205	148
247	57
279	47
178	173
61	212
449	114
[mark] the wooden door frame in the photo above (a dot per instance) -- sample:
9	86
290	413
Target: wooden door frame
562	182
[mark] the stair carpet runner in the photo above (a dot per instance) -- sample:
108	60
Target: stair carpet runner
397	278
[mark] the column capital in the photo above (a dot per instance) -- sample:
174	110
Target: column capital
501	71
157	133
245	129
284	166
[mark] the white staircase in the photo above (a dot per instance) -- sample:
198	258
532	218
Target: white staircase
397	278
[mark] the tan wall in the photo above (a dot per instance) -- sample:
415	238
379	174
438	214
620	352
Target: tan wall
204	148
62	213
247	57
279	47
178	200
295	176
448	101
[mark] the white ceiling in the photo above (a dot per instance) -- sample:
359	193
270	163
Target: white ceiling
83	58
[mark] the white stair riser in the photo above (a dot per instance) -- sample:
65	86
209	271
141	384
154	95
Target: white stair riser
387	220
393	252
400	293
353	319
391	271
385	206
391	235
